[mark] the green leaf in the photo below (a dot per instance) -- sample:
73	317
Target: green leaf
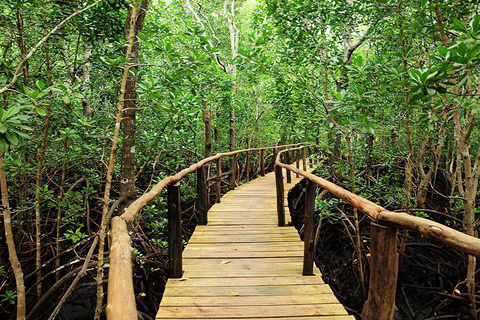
462	49
431	92
12	138
475	24
458	25
3	127
66	100
442	50
41	111
3	144
40	84
35	94
430	126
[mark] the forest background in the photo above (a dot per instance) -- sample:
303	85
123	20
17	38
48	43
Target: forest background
101	99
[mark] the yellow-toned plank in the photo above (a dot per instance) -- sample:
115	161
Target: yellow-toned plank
250	311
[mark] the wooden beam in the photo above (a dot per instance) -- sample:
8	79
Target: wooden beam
309	231
233	178
218	184
297	161
383	273
280	196
202	201
175	246
304	158
287	160
262	162
247	166
121	297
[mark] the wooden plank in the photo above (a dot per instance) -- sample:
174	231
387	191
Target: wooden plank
243	238
229	282
237	273
233	263
253	247
245	228
241	254
182	301
250	311
217	291
329	317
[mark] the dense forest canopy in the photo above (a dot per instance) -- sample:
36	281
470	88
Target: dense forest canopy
101	99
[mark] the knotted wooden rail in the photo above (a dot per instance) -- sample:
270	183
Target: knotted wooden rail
384	257
120	296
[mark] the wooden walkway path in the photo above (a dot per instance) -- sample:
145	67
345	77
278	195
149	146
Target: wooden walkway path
242	266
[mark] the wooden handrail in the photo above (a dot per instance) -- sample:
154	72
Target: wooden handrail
120	295
384	256
426	227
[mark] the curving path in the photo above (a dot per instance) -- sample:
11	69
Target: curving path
242	266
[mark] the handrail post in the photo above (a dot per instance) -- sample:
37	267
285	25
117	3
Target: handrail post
218	183
262	162
275	152
175	246
202	196
248	166
304	158
287	161
297	158
383	273
309	233
280	196
233	178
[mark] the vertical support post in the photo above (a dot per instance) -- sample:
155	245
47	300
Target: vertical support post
297	158
304	158
280	196
383	273
248	166
218	183
175	246
233	178
262	162
287	161
275	152
309	233
202	196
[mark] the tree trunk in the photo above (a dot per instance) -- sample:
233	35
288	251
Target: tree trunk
234	32
408	129
368	154
358	242
87	110
232	129
127	184
12	251
471	185
108	185
41	151
207	119
21	44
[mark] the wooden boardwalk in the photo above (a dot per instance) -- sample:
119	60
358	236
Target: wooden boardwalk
242	266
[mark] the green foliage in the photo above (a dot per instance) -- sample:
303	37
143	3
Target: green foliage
8	296
327	209
74	236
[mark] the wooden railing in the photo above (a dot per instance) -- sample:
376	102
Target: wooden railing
384	257
120	295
